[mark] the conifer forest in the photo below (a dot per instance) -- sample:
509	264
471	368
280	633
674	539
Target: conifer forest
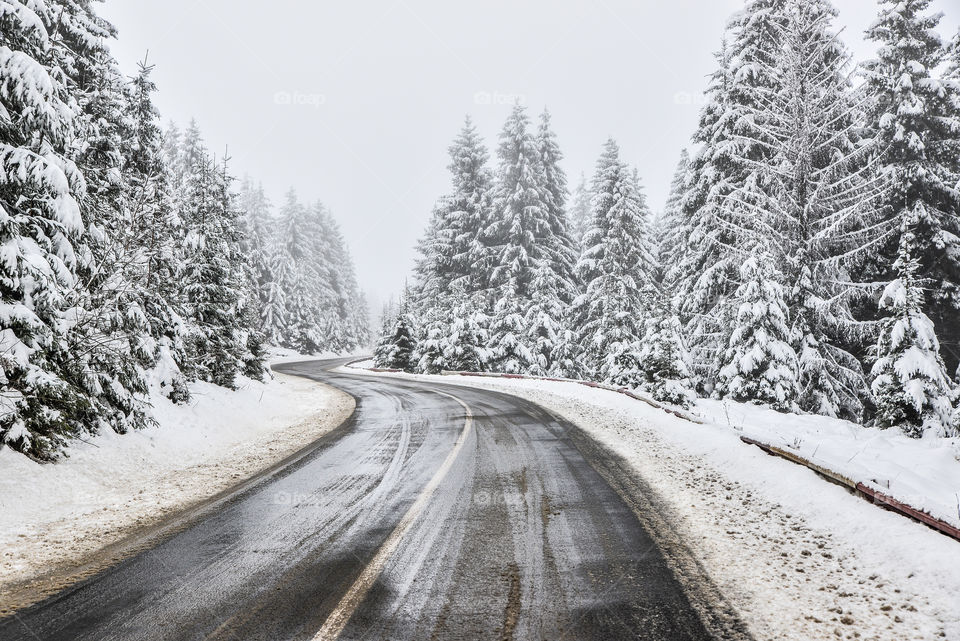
395	320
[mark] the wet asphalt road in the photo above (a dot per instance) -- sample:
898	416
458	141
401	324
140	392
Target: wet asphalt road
521	539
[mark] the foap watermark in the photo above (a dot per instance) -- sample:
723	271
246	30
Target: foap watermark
686	98
298	499
499	98
299	99
483	498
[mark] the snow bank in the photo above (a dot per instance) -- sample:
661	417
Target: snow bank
111	485
800	558
924	473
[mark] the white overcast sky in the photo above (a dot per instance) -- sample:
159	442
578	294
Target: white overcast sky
378	89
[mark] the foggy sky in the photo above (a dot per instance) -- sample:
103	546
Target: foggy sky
355	103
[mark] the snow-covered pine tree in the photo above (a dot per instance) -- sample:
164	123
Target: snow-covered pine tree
212	274
713	224
664	362
544	320
298	321
451	251
433	325
672	226
463	349
616	268
282	265
555	285
918	135
812	199
528	241
109	340
561	250
760	365
348	320
467	209
579	214
40	223
507	349
388	318
910	381
517	228
255	224
704	273
397	348
432	263
258	239
153	226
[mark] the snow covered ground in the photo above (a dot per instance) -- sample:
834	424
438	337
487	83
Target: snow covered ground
800	558
924	473
112	485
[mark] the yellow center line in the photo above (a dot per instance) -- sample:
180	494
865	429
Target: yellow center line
341	614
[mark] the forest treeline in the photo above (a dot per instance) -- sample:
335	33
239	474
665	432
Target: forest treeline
128	257
808	258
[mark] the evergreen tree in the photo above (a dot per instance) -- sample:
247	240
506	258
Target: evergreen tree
212	280
258	238
760	365
616	268
298	324
397	348
451	252
910	383
154	225
520	216
704	274
520	219
544	321
812	200
529	245
671	227
347	312
40	223
432	337
468	209
108	339
507	349
580	211
917	128
561	251
463	349
664	362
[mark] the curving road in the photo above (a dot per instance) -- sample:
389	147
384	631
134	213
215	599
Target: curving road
435	512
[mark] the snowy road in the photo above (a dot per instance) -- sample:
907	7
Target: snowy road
436	512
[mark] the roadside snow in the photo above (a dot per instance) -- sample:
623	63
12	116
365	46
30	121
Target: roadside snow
800	558
55	514
925	473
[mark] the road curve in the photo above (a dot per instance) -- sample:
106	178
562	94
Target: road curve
435	512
